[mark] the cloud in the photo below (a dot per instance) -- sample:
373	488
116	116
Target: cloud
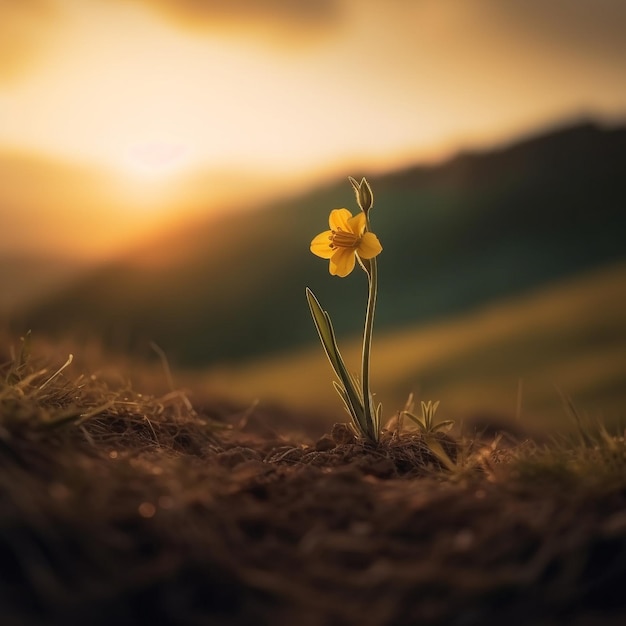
23	29
302	16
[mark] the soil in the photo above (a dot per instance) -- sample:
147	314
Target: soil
219	518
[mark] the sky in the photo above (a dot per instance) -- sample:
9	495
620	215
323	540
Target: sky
120	117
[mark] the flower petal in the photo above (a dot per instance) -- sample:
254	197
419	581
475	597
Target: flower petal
320	246
338	219
369	246
342	262
357	224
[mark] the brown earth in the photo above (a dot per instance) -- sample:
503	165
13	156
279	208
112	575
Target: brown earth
159	514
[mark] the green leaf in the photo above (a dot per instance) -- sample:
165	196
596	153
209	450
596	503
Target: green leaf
428	412
344	397
437	449
379	412
325	331
445	425
416	420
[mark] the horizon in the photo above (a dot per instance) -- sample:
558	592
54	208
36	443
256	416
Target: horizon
29	275
184	192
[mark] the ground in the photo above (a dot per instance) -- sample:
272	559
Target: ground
121	508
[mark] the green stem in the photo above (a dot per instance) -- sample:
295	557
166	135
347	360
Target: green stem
368	404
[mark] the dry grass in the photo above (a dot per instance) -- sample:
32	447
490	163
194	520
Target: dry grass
119	507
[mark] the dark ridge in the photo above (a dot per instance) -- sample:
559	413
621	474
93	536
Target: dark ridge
477	228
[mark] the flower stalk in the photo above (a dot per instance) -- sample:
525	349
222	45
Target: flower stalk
371	413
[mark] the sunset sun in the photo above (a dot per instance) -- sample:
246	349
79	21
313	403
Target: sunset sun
155	159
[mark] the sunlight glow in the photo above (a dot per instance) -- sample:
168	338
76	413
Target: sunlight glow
156	160
167	106
231	102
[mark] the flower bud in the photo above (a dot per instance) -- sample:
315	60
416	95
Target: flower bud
363	192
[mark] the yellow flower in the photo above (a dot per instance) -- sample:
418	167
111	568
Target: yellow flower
345	239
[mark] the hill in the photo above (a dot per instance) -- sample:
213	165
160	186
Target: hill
480	227
25	278
524	358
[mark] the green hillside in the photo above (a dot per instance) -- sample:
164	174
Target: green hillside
519	358
456	236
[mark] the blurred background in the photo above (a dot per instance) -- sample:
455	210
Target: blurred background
164	165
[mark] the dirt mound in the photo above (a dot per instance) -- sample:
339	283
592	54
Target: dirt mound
169	517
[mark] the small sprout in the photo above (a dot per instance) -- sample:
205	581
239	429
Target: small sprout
428	428
426	421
